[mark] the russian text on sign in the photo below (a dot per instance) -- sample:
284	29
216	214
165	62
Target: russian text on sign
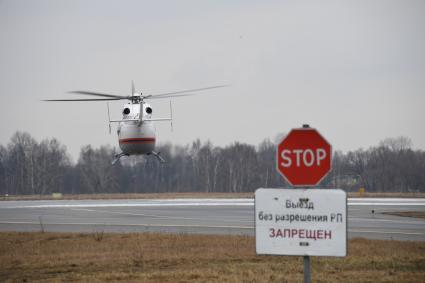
301	222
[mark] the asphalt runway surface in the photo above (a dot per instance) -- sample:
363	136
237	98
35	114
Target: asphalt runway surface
205	216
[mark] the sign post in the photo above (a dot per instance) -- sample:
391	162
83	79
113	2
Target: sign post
307	275
306	222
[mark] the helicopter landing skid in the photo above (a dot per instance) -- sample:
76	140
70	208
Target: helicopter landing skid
158	155
118	156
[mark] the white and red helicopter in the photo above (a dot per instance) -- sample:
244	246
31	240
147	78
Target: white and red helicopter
136	130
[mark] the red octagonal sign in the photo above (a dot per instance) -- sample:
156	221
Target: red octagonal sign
304	157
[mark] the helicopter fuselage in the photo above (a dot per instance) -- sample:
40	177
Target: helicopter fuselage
136	137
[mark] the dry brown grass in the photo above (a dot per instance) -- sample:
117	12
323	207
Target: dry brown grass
386	195
56	257
131	196
415	214
188	195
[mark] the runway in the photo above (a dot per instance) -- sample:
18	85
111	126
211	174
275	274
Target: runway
206	216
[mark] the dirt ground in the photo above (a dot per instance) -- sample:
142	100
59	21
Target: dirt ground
98	257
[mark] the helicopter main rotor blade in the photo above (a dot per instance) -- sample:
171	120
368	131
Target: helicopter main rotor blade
99	94
86	99
182	92
109	97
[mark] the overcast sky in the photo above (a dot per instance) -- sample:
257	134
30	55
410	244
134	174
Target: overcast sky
355	70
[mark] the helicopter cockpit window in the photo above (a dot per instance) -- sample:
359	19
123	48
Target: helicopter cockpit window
126	111
148	110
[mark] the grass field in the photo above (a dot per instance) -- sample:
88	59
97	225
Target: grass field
415	214
187	195
97	257
131	196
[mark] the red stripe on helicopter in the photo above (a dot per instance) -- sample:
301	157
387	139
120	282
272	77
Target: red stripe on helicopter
138	140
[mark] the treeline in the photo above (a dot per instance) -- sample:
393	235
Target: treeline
31	167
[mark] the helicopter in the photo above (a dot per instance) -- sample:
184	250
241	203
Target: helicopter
136	131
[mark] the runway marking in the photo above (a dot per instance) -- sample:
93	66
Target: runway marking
386	204
385	232
135	225
130	205
159	216
186	204
419	222
191	202
238	220
221	215
386	199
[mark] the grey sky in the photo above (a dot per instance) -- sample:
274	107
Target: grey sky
355	70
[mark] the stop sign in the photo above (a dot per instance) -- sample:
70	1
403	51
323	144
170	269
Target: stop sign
304	157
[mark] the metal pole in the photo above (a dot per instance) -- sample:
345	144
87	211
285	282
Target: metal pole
307	275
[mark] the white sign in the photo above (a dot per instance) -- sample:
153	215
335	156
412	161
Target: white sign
307	222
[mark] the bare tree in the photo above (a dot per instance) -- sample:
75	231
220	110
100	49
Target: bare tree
29	167
97	175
